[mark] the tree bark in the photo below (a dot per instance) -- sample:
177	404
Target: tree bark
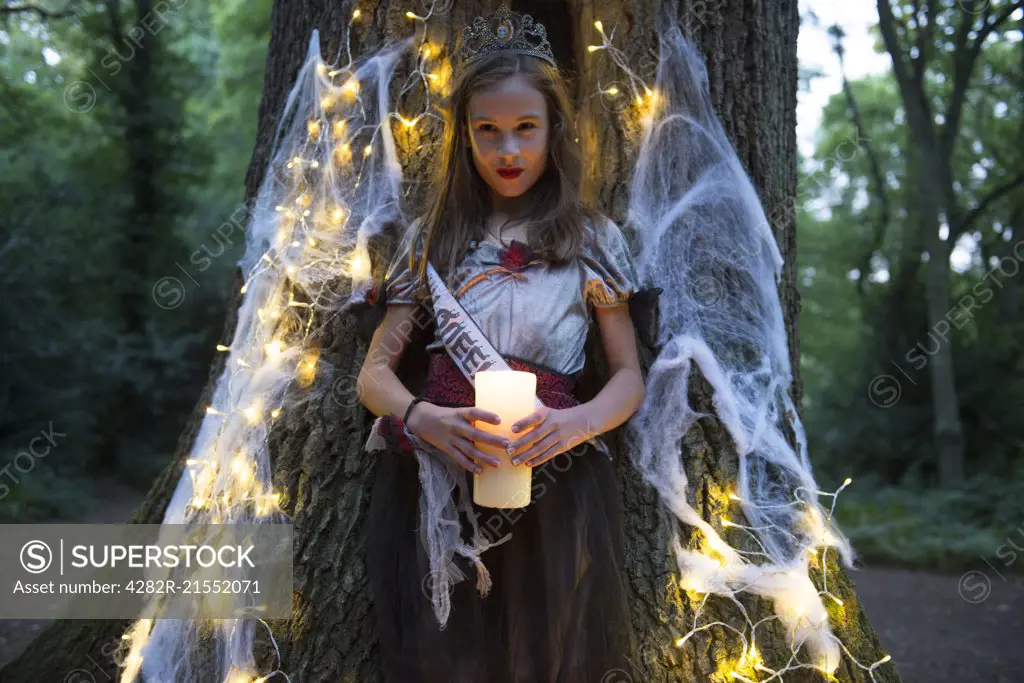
317	455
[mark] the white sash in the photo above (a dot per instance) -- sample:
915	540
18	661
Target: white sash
466	343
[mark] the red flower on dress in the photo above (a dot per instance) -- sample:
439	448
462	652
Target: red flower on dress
516	256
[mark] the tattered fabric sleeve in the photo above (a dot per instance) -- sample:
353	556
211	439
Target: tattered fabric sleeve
609	276
400	284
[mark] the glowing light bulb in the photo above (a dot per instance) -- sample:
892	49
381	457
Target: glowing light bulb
275	413
599	26
273	348
612	91
717	544
221	347
351	87
240	467
306	370
337	215
410	15
593	48
236	676
847	481
426	51
313	127
253	413
359	266
355	14
367	150
342	154
338	128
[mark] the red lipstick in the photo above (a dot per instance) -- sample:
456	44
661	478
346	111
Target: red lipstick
510	173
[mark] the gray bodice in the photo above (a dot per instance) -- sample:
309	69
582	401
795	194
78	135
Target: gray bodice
538	311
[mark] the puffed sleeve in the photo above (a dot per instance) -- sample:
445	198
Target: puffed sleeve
400	284
609	275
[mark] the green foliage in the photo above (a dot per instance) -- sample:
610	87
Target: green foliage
934	529
118	165
866	345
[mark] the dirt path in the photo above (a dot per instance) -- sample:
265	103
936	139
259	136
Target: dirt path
933	633
937	636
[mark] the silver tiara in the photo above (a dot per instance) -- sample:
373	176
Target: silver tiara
505	31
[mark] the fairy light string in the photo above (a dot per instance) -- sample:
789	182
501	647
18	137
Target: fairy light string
722	560
230	480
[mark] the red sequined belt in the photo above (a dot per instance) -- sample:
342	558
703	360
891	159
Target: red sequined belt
447	386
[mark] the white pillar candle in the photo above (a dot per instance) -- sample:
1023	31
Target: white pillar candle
512	395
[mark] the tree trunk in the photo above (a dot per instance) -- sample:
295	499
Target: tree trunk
135	245
937	198
751	51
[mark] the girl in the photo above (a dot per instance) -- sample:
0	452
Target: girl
533	266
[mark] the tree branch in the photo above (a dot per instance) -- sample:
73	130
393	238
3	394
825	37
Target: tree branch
964	60
989	199
7	10
881	226
886	23
923	39
912	92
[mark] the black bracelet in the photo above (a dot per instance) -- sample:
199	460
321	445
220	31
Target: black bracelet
405	418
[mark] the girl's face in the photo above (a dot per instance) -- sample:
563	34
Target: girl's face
508	129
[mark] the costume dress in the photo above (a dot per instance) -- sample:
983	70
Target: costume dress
558	608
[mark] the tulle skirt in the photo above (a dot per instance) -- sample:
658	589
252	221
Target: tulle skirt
558	608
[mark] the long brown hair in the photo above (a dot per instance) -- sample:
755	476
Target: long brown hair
459	197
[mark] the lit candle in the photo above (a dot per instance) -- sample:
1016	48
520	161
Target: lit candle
511	395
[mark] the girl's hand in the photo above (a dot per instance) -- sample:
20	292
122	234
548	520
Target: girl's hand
452	431
551	431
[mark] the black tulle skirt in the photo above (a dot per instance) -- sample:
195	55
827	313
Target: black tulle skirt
558	608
